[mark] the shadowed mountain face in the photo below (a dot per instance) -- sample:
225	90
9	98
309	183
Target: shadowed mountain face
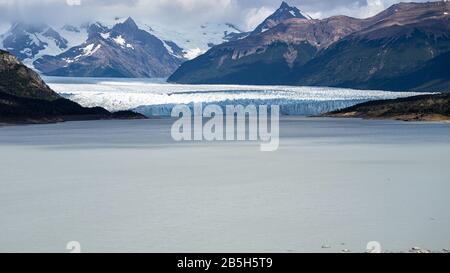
404	51
123	51
382	52
25	98
18	80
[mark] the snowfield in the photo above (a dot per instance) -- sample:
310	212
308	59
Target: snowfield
157	98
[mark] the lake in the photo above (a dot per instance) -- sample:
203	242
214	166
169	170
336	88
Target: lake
125	186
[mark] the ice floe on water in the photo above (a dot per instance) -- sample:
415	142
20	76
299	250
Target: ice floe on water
157	98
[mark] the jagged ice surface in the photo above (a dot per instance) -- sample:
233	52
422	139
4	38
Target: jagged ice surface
153	98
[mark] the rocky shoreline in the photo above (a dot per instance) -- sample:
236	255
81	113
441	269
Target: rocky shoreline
26	99
434	107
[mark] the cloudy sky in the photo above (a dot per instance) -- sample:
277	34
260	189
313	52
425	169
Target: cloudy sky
244	13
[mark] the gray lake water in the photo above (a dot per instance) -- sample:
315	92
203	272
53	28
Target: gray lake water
118	186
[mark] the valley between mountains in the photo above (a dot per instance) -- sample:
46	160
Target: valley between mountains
403	48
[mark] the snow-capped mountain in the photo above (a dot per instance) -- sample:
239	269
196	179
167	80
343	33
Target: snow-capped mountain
410	42
28	42
117	46
283	13
187	41
124	50
55	49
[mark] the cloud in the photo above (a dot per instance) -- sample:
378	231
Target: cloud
373	7
73	2
193	5
255	16
244	13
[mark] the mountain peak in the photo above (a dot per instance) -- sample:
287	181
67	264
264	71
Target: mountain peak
287	11
130	22
284	5
127	26
284	12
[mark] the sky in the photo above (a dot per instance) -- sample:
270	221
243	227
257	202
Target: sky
246	14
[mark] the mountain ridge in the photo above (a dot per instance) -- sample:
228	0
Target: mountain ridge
182	43
124	50
329	52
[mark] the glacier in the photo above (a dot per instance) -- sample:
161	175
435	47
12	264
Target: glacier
156	98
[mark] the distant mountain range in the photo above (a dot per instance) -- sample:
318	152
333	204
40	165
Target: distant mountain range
120	47
405	47
122	51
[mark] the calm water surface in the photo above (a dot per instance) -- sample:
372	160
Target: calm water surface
126	186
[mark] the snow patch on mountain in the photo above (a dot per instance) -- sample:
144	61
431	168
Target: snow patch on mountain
120	41
50	48
89	50
105	35
193	53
